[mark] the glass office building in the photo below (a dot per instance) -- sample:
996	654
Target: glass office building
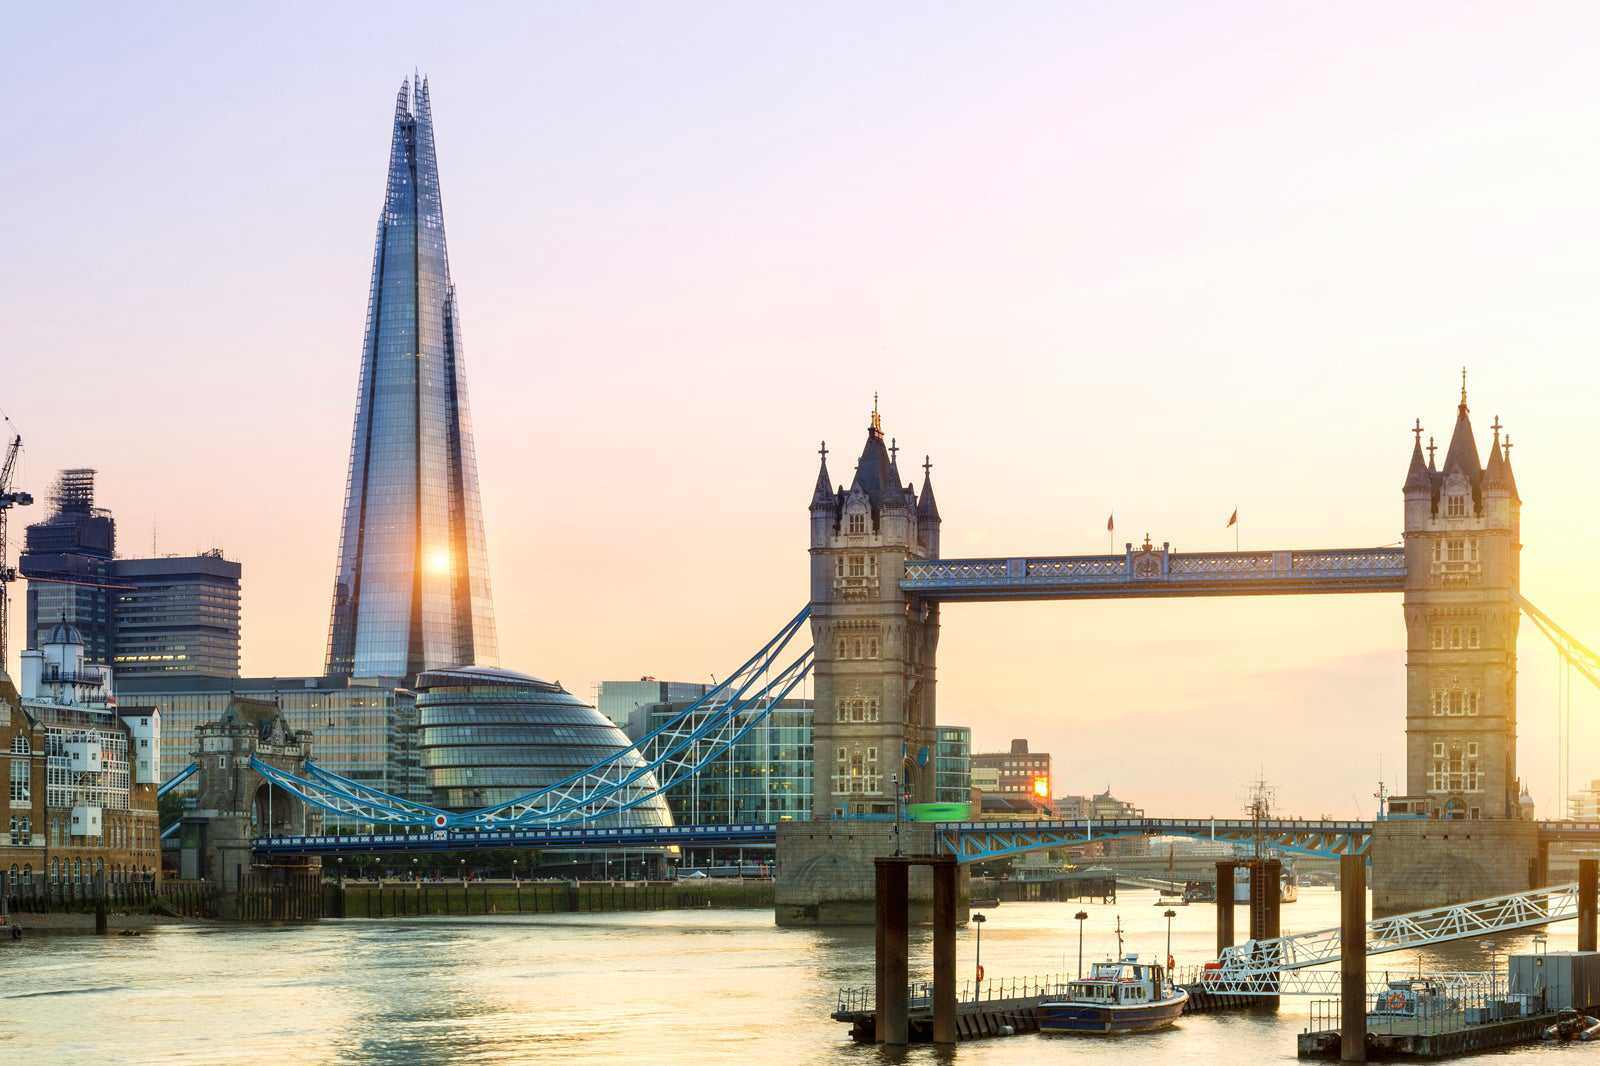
627	702
176	614
364	732
412	587
952	765
488	735
764	777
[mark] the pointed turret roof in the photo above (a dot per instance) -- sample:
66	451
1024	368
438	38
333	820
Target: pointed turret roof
927	506
1494	471
1418	479
875	472
1463	451
822	495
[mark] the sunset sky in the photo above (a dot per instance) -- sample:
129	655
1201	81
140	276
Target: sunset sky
1157	260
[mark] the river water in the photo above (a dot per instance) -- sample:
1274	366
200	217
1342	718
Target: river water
691	987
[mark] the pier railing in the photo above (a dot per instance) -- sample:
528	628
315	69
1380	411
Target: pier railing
862	999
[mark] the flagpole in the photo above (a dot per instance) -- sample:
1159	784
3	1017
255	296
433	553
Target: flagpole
1236	528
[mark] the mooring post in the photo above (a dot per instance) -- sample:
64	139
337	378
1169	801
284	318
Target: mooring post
893	921
1588	876
1266	904
1352	958
1224	906
945	880
100	904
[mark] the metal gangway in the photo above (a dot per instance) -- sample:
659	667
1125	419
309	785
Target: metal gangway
1285	965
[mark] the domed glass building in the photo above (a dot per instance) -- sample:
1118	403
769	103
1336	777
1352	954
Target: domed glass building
487	736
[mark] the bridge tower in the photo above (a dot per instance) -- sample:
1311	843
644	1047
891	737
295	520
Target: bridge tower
1462	542
875	647
235	803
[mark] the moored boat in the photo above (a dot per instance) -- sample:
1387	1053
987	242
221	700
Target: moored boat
1125	996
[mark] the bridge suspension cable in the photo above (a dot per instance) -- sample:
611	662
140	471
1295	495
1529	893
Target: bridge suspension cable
681	747
1582	658
177	779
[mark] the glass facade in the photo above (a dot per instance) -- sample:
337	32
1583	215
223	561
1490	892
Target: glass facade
764	778
621	701
952	765
487	736
364	732
412	589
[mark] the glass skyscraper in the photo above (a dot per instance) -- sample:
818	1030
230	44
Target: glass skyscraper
412	590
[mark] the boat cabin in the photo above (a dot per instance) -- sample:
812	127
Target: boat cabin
1125	981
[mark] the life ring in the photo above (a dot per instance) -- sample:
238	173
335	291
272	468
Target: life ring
1170	965
1395	1001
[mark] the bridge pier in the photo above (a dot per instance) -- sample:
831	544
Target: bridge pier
893	951
1224	905
1421	863
1266	905
946	899
1588	881
1353	958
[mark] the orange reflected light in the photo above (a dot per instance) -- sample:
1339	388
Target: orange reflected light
1041	787
438	560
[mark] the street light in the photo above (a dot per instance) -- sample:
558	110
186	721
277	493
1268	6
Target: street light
977	984
1081	915
513	870
463	871
415	877
1169	915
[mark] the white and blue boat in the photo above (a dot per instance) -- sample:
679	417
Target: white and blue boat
1125	996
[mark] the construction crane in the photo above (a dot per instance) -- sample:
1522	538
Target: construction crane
10	496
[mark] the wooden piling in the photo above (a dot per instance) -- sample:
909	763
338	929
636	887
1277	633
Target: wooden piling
1588	874
945	880
1224	906
1352	958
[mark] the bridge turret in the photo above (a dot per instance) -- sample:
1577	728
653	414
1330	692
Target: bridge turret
928	513
874	650
1462	540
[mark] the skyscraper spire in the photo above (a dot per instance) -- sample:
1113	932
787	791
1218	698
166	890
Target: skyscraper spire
412	588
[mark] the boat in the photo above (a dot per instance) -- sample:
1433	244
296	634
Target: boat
1200	892
1121	996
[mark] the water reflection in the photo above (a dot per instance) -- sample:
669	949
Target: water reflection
691	987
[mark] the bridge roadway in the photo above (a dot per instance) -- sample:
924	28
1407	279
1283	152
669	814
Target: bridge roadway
1152	571
968	841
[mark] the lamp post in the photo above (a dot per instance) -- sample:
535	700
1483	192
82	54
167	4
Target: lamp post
1081	915
1169	914
977	983
415	876
513	870
463	871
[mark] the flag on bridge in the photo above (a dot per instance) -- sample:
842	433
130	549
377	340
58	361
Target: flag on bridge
1111	522
1233	519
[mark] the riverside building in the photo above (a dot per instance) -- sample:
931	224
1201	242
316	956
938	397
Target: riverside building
81	771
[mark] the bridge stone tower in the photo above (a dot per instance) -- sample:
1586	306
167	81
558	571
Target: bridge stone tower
875	647
1462	540
235	803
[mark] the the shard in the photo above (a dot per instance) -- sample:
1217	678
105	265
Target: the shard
412	591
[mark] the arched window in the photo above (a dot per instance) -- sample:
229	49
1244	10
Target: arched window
27	873
857	524
77	869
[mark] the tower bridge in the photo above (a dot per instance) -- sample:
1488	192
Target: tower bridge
877	586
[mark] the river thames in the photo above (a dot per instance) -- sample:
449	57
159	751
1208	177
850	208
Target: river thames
693	987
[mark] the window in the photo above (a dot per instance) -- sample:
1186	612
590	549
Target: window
1455	637
1437	637
19	744
1472	636
858	566
1438	749
1472	549
1472	749
21	781
1455	506
1455	551
857	524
